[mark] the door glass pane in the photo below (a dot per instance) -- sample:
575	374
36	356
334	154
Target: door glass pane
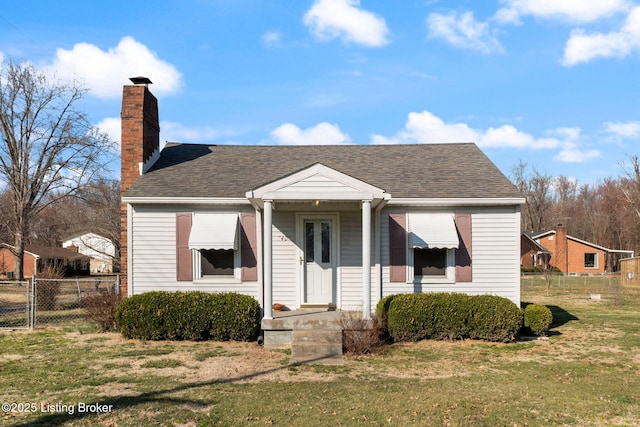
326	241
309	255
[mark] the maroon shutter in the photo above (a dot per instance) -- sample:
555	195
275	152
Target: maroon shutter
463	253
397	248
184	269
248	244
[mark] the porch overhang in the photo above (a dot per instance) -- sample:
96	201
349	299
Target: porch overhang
315	184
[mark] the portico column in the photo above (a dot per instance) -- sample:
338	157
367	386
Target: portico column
366	259
268	254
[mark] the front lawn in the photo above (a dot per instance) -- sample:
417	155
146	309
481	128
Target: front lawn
585	374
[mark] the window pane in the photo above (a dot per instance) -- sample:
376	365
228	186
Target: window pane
429	262
216	262
309	242
590	260
326	242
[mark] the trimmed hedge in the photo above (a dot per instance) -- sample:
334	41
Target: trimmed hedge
382	310
538	318
191	316
413	317
494	318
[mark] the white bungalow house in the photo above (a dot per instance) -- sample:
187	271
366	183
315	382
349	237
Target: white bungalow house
313	226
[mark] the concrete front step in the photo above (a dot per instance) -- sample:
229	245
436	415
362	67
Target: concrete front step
317	346
303	319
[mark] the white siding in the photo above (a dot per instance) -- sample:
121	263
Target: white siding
285	261
495	235
351	260
317	184
495	251
153	255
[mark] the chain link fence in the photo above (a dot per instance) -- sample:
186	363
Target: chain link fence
49	302
600	287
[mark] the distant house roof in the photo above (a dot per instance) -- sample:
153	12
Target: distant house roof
53	252
533	244
49	252
404	171
541	234
83	234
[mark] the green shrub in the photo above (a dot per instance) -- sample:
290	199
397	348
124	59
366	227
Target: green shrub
189	316
537	269
537	318
494	318
413	317
382	310
234	317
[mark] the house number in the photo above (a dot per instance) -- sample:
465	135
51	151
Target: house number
284	239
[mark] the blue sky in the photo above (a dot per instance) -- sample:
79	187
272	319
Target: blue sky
555	83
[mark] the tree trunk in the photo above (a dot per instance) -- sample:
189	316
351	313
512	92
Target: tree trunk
18	266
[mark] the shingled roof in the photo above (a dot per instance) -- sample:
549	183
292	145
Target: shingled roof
404	171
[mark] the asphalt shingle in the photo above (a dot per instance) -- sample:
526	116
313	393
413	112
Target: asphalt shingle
404	171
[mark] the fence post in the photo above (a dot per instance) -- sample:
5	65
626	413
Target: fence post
34	301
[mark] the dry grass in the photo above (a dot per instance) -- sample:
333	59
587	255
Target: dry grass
584	374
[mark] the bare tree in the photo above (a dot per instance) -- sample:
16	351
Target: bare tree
631	187
48	146
103	202
537	187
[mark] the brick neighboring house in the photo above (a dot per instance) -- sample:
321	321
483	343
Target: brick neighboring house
38	258
570	254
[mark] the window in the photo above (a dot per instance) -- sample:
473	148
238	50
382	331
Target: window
214	241
432	264
216	262
429	262
433	239
591	260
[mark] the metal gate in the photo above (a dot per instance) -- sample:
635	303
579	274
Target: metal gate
16	305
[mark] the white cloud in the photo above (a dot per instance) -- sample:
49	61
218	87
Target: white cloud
272	39
111	126
581	11
330	19
574	155
322	134
630	129
583	47
169	132
462	30
177	132
427	128
104	72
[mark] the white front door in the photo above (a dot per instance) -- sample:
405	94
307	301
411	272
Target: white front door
319	261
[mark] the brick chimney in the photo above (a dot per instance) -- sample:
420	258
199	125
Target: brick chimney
140	147
562	249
